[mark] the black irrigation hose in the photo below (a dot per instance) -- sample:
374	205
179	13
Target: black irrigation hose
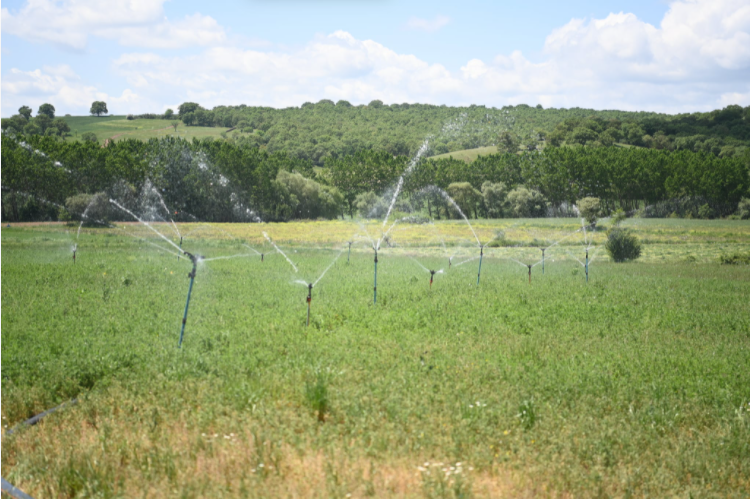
7	487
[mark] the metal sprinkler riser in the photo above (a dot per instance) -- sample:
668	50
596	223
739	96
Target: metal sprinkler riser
191	275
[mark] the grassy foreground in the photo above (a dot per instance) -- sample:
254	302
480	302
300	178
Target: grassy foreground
636	383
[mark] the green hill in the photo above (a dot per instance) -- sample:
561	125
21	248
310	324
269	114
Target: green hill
119	127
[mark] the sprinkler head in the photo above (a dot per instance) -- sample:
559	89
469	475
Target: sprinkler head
376	256
261	257
309	293
432	272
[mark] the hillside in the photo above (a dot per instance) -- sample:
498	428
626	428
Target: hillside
119	127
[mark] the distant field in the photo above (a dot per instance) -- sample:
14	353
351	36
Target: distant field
118	128
468	155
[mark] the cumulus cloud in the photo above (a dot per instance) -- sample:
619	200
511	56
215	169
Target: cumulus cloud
698	58
135	23
61	86
429	25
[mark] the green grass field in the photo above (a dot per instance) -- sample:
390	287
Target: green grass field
467	155
633	384
118	128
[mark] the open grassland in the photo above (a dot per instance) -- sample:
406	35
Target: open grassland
467	155
633	384
118	128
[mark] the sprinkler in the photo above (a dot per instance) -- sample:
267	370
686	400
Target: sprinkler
350	252
432	273
543	260
375	288
529	266
450	262
75	248
261	257
587	265
481	254
178	256
191	275
309	299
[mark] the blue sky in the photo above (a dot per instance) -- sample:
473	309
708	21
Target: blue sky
148	55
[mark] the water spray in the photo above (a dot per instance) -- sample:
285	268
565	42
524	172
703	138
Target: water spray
178	256
309	299
191	275
450	262
587	265
432	274
375	288
481	254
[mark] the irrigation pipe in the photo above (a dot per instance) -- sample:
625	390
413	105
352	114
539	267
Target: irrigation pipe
8	487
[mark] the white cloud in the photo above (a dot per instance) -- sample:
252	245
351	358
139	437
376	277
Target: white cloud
134	23
62	87
429	25
698	58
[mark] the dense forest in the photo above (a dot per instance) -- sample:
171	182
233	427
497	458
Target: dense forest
44	178
325	130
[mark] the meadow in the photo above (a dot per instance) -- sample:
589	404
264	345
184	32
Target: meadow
119	127
633	384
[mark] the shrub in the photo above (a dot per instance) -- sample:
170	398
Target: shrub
735	259
525	202
743	208
622	246
589	208
89	137
705	212
369	205
495	199
92	209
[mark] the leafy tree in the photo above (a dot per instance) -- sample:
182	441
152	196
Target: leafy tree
508	142
62	126
590	208
466	197
187	107
32	128
98	108
47	109
175	124
25	111
527	203
369	205
188	118
743	208
89	137
168	114
495	199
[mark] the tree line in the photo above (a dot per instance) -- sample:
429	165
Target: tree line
221	181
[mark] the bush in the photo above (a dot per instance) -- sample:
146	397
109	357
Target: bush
743	209
622	246
92	209
495	199
589	208
735	259
705	212
369	205
89	137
